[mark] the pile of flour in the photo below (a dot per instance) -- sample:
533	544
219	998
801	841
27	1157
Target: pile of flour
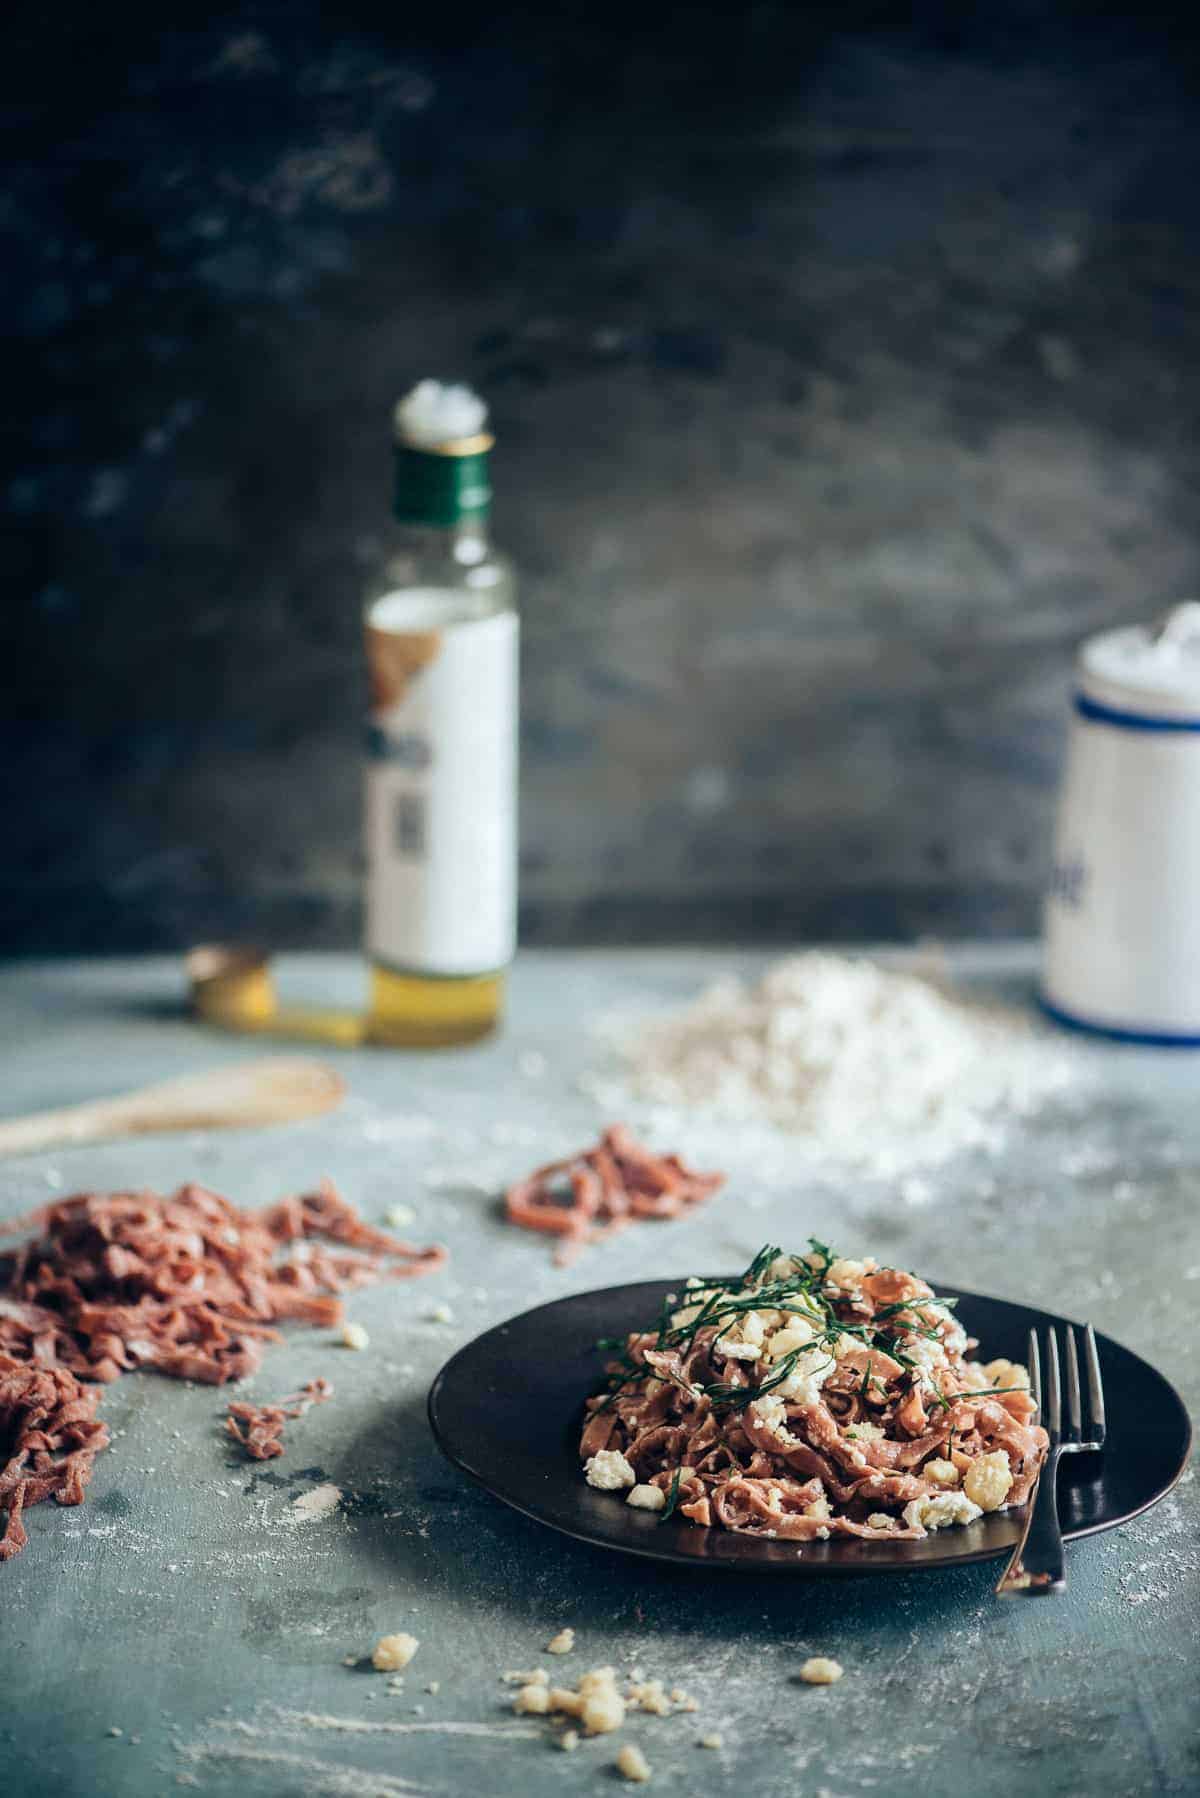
867	1067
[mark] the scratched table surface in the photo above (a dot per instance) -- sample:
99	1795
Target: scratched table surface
183	1630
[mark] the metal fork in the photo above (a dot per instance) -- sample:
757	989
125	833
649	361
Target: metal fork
1037	1561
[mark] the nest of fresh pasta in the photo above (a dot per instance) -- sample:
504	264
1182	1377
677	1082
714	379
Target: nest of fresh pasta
812	1396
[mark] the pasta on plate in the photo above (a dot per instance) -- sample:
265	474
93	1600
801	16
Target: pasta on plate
812	1396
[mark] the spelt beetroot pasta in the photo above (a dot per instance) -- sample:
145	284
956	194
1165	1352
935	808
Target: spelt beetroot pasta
189	1285
812	1396
589	1195
259	1428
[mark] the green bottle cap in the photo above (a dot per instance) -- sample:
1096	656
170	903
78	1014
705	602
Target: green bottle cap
442	486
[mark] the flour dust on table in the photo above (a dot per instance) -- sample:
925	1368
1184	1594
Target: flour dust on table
866	1067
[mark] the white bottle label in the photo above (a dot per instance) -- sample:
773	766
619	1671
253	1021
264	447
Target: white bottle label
441	786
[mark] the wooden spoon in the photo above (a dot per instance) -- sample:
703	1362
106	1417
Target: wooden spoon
249	1093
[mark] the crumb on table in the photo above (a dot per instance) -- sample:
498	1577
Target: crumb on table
818	1670
633	1764
391	1653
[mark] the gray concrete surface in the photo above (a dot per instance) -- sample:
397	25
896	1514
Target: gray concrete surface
177	1606
843	361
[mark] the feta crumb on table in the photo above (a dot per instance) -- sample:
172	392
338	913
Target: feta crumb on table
569	1740
633	1764
647	1498
441	1314
648	1695
603	1712
562	1643
714	1739
391	1653
818	1670
354	1336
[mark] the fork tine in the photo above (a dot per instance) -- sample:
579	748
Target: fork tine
1096	1427
1052	1419
1074	1408
1035	1370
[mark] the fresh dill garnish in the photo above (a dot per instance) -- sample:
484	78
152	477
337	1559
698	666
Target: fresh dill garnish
736	1398
761	1262
826	1254
672	1497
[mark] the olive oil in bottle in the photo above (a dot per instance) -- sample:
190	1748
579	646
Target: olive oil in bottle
442	638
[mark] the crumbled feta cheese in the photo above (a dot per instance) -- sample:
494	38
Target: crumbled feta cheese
685	1316
532	1701
562	1643
803	1385
865	1432
795	1332
928	1358
771	1413
603	1712
1006	1373
819	1508
819	1671
650	1696
400	1215
848	1275
647	1498
538	1677
938	1512
598	1679
391	1653
988	1480
751	1328
713	1739
633	1764
942	1473
569	1740
441	1314
608	1471
354	1336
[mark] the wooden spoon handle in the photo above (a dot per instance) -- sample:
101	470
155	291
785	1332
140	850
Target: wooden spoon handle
246	1095
51	1129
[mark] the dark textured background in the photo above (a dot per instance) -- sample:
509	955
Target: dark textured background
844	370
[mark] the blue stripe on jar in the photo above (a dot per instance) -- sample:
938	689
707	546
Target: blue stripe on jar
1095	713
1148	1039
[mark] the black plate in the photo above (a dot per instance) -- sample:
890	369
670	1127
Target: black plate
507	1410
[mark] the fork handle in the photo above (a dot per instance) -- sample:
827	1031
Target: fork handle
1037	1566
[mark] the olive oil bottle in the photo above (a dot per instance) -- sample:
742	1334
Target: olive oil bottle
442	643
